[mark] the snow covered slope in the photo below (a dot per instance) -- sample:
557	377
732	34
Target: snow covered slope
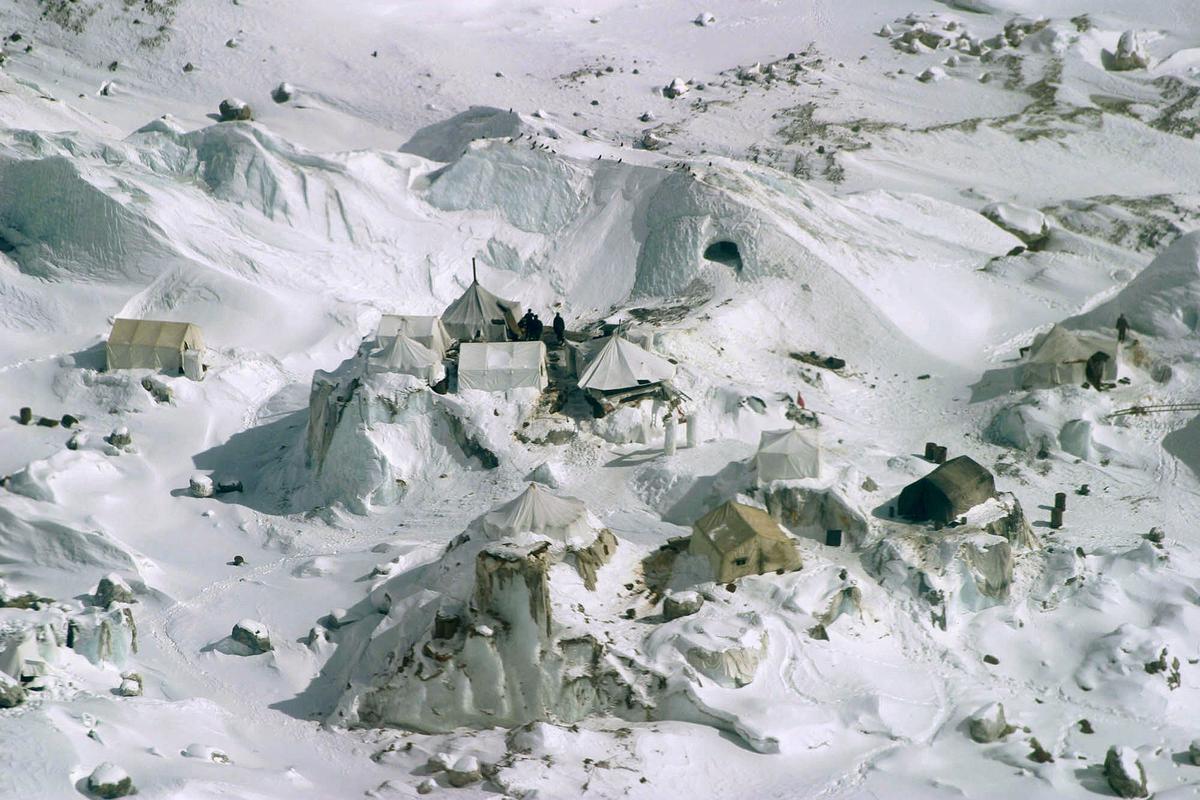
852	216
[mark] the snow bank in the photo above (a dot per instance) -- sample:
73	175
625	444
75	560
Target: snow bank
1163	300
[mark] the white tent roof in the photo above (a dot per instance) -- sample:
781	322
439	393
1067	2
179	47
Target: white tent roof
407	356
429	331
1059	357
499	366
478	310
537	511
1059	345
788	455
620	364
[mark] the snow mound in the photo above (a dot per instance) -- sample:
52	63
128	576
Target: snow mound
47	554
1163	300
447	140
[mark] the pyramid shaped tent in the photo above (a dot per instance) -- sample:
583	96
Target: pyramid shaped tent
429	331
537	511
406	356
1059	357
479	314
788	455
621	364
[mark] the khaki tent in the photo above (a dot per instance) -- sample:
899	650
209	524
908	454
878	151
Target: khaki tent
408	357
500	366
152	344
481	316
429	331
740	540
788	455
948	492
537	511
1059	358
621	365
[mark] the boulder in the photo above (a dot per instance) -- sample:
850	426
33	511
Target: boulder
131	685
1131	52
234	110
283	92
120	437
676	88
1027	224
1124	772
704	19
1194	752
200	485
109	781
253	635
681	604
112	588
932	75
12	694
464	772
988	724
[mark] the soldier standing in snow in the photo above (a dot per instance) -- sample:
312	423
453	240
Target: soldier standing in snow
560	328
1122	327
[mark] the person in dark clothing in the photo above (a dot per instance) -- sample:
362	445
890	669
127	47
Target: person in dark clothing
1122	328
523	323
560	328
1094	370
537	329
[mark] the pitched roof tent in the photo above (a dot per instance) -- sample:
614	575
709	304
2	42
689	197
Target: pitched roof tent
1059	357
480	311
499	366
741	540
406	356
429	331
621	364
788	455
151	344
537	511
948	492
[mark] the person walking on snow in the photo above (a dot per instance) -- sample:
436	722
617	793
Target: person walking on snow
1122	327
560	328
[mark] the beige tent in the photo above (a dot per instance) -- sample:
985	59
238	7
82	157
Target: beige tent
478	315
428	331
741	540
152	344
500	366
1059	358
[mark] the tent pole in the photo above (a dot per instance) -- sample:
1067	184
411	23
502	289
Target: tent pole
474	277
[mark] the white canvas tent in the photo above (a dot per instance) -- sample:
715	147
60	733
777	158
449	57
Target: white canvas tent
479	314
537	511
500	366
428	331
1059	358
621	364
406	356
788	455
154	344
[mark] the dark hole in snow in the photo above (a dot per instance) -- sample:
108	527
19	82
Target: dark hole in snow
726	253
